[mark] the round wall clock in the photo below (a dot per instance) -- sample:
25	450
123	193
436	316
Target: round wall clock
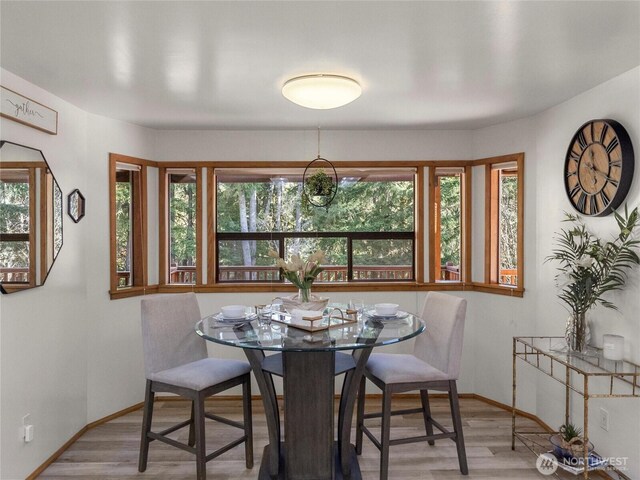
598	168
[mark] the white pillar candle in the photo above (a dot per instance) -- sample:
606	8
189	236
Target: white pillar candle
613	347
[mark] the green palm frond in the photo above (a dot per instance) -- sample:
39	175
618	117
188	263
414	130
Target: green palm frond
588	266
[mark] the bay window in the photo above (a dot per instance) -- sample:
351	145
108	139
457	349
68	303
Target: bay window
217	222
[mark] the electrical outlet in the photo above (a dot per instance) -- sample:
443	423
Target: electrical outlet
604	419
28	433
27	429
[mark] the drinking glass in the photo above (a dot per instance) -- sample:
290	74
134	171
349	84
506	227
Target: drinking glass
264	315
357	304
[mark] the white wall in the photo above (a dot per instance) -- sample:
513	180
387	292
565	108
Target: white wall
544	139
49	334
303	145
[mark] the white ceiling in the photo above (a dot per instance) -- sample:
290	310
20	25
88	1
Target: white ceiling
188	65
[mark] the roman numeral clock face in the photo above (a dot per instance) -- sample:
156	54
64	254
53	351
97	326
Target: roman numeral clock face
598	168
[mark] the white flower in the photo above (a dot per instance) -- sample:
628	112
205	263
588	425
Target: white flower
584	261
296	262
317	257
273	254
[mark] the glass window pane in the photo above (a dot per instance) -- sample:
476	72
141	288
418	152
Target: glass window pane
123	227
14	262
450	226
14	198
261	200
334	248
247	261
182	228
383	259
508	229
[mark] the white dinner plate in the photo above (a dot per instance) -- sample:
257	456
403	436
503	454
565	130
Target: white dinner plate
244	319
398	316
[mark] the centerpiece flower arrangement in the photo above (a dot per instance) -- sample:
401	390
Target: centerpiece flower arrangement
301	273
590	267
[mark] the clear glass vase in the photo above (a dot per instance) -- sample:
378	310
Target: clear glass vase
304	295
577	332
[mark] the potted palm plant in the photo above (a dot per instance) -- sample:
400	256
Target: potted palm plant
589	267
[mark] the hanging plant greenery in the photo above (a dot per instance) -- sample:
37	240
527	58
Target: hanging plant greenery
320	188
320	184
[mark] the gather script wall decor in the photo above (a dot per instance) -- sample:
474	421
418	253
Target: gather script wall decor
27	111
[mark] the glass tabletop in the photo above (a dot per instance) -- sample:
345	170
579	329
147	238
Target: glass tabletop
276	331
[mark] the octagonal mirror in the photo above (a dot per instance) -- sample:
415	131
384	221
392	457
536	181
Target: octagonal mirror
30	217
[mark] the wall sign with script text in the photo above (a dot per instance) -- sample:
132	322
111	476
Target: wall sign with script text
27	111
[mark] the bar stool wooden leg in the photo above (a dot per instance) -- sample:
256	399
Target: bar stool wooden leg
201	453
248	427
360	414
385	433
192	433
426	413
457	427
146	427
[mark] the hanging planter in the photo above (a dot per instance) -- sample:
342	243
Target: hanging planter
320	187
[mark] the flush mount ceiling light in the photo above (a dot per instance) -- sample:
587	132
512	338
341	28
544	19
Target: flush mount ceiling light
321	91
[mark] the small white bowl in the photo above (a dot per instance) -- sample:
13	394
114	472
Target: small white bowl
386	309
233	311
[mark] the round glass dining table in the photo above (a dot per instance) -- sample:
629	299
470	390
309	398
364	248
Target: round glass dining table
308	356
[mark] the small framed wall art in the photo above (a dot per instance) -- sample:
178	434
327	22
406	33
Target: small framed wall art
76	205
24	110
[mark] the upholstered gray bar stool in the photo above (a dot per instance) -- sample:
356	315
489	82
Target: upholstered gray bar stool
433	365
176	361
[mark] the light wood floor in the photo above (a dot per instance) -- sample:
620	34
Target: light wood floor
110	451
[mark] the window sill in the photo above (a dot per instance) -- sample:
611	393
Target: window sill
127	292
341	287
498	289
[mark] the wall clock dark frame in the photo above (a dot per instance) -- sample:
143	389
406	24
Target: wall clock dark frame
598	167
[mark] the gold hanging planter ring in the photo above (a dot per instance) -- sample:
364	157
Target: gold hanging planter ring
319	187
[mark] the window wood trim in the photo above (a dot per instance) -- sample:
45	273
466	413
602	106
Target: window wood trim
212	243
163	210
491	225
465	222
139	220
467	202
432	223
32	226
419	225
163	223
